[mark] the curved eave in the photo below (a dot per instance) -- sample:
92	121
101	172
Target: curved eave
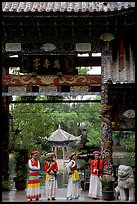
59	143
70	14
62	7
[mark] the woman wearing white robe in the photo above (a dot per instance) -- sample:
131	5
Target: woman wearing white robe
73	183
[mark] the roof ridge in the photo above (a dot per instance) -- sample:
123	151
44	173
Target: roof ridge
63	132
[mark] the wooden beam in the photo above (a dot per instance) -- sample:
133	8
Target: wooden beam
79	61
58	101
45	80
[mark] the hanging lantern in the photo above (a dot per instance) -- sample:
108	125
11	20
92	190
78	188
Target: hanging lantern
106	37
48	47
129	113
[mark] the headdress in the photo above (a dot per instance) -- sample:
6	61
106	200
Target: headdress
50	154
74	153
96	153
36	152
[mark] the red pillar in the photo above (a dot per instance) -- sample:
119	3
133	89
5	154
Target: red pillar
56	148
63	155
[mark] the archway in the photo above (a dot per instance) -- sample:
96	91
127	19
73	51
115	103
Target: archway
67	34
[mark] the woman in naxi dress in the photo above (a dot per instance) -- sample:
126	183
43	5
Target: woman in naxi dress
73	178
96	169
51	170
33	183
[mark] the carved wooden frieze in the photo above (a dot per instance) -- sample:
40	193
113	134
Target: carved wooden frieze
66	80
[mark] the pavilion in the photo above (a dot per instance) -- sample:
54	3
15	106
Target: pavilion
60	139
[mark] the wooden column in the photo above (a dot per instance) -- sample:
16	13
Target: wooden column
63	155
106	134
65	152
5	138
56	152
106	127
53	149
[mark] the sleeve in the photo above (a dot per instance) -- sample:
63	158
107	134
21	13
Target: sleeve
38	165
69	167
56	166
46	166
74	163
92	167
30	165
101	166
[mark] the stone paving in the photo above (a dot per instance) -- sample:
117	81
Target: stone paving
19	196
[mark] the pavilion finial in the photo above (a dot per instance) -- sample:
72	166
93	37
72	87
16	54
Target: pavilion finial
59	126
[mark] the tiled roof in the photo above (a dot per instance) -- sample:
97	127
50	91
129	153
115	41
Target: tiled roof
125	75
61	136
65	6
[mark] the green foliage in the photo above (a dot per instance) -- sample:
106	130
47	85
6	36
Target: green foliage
29	121
107	183
21	164
5	185
14	70
83	70
126	139
33	123
129	144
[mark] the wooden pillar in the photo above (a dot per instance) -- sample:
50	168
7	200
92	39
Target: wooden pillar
5	138
53	149
56	152
63	155
65	152
106	134
106	126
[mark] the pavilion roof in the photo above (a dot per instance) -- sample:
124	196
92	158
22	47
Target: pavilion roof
62	136
65	6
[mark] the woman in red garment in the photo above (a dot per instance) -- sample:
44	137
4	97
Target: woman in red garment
51	169
33	186
96	169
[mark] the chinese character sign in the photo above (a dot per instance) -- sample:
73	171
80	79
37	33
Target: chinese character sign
43	64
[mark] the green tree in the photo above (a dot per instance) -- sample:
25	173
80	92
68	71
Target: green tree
33	123
129	144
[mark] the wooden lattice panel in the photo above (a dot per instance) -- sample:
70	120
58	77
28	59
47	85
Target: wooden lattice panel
47	89
79	89
16	89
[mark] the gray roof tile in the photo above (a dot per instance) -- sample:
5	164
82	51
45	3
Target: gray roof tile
62	136
65	6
